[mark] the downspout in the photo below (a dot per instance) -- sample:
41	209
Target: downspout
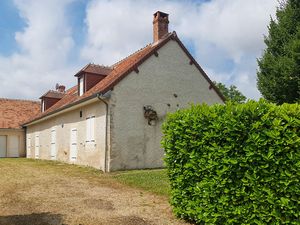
101	97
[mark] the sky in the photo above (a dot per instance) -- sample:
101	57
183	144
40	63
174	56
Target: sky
44	42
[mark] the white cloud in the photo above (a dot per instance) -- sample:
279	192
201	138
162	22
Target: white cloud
237	26
44	45
229	33
227	36
116	28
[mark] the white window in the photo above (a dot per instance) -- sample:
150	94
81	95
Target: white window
73	147
43	105
53	144
37	146
90	129
81	86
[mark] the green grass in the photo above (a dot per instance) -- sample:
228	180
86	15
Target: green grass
155	181
39	191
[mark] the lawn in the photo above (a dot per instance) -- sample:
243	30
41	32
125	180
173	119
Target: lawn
155	181
46	192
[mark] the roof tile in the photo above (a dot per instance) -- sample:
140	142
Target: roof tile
14	112
53	94
95	69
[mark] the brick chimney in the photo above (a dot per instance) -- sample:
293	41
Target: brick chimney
160	25
61	88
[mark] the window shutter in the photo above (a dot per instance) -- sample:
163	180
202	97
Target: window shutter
88	129
92	128
53	136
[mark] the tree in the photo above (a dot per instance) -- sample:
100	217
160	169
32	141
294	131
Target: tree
231	93
278	76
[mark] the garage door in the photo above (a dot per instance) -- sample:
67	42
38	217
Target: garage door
2	146
13	146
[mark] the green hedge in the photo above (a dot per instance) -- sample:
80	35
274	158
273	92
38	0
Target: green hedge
235	164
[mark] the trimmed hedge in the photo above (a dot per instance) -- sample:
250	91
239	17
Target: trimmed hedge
235	164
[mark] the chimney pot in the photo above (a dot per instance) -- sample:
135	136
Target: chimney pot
160	25
61	88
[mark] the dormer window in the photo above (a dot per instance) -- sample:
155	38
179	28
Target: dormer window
81	87
89	76
51	97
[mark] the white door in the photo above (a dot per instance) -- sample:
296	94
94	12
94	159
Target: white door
53	144
2	146
28	146
73	145
37	146
13	146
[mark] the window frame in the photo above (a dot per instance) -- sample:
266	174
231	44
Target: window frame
90	129
81	85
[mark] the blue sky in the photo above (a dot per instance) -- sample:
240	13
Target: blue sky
45	42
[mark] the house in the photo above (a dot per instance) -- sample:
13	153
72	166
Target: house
112	118
13	113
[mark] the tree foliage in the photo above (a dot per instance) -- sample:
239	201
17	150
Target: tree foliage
278	77
231	93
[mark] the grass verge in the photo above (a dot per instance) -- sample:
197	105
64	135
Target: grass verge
155	181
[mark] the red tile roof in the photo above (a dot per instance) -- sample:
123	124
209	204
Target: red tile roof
53	94
119	70
14	112
95	69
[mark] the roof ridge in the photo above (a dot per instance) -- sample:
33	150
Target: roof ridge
56	91
120	61
102	66
20	100
150	44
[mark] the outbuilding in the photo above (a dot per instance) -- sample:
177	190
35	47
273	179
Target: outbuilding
13	113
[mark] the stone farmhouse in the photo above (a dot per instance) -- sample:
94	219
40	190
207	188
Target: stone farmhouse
112	118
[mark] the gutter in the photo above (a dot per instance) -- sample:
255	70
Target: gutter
14	129
102	98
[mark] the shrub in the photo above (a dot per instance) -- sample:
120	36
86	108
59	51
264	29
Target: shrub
234	164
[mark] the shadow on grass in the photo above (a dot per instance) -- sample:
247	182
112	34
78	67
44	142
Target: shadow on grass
32	219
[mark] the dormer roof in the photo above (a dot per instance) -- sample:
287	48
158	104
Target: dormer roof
94	69
53	94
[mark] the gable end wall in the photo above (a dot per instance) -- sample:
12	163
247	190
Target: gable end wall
135	144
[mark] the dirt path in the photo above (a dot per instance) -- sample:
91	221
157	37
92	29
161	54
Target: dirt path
41	194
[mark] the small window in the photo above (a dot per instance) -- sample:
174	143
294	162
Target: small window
90	129
43	105
81	86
